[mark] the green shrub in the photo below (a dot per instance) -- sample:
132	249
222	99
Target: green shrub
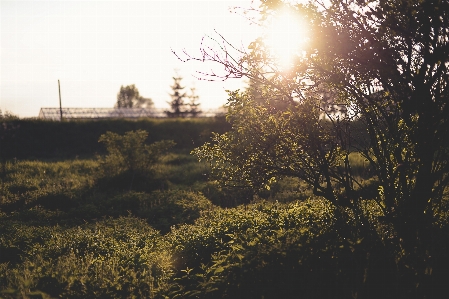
16	239
129	152
114	258
166	209
226	196
194	244
129	159
270	264
273	250
28	184
182	170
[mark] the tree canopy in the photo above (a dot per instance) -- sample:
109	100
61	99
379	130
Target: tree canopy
386	63
129	97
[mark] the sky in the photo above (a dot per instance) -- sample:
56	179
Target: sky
94	47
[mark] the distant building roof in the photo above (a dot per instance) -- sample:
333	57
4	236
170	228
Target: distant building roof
100	113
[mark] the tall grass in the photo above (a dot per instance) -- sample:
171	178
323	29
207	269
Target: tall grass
68	230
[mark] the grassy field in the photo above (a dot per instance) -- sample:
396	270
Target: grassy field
68	229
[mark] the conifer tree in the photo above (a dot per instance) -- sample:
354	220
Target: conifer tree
194	109
178	95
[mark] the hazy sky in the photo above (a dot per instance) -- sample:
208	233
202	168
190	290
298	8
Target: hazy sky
94	47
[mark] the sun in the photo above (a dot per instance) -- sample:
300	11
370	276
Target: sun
286	36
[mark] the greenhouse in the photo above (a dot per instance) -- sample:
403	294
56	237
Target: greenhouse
99	113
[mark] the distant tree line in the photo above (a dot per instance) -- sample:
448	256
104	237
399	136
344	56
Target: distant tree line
183	103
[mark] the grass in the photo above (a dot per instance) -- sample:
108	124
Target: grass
75	191
68	231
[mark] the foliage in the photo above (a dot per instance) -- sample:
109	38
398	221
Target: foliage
393	96
387	63
7	116
57	239
282	143
114	258
129	97
175	207
70	192
274	250
196	243
129	152
44	139
8	131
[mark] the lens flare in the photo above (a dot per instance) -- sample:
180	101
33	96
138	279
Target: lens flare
285	37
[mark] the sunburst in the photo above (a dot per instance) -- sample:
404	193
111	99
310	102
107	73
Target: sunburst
286	36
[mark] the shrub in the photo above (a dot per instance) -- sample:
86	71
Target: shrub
161	209
38	139
128	152
114	258
226	196
194	244
166	209
129	155
273	250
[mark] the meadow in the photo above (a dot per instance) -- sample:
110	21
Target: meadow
70	229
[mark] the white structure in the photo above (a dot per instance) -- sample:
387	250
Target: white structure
103	113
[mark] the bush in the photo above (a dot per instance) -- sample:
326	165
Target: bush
273	250
263	250
129	152
163	210
194	244
114	258
38	139
129	157
226	196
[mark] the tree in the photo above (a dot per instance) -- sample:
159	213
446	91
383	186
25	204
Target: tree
193	104
391	70
178	99
129	97
387	63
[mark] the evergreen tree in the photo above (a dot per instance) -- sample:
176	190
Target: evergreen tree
194	110
178	95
